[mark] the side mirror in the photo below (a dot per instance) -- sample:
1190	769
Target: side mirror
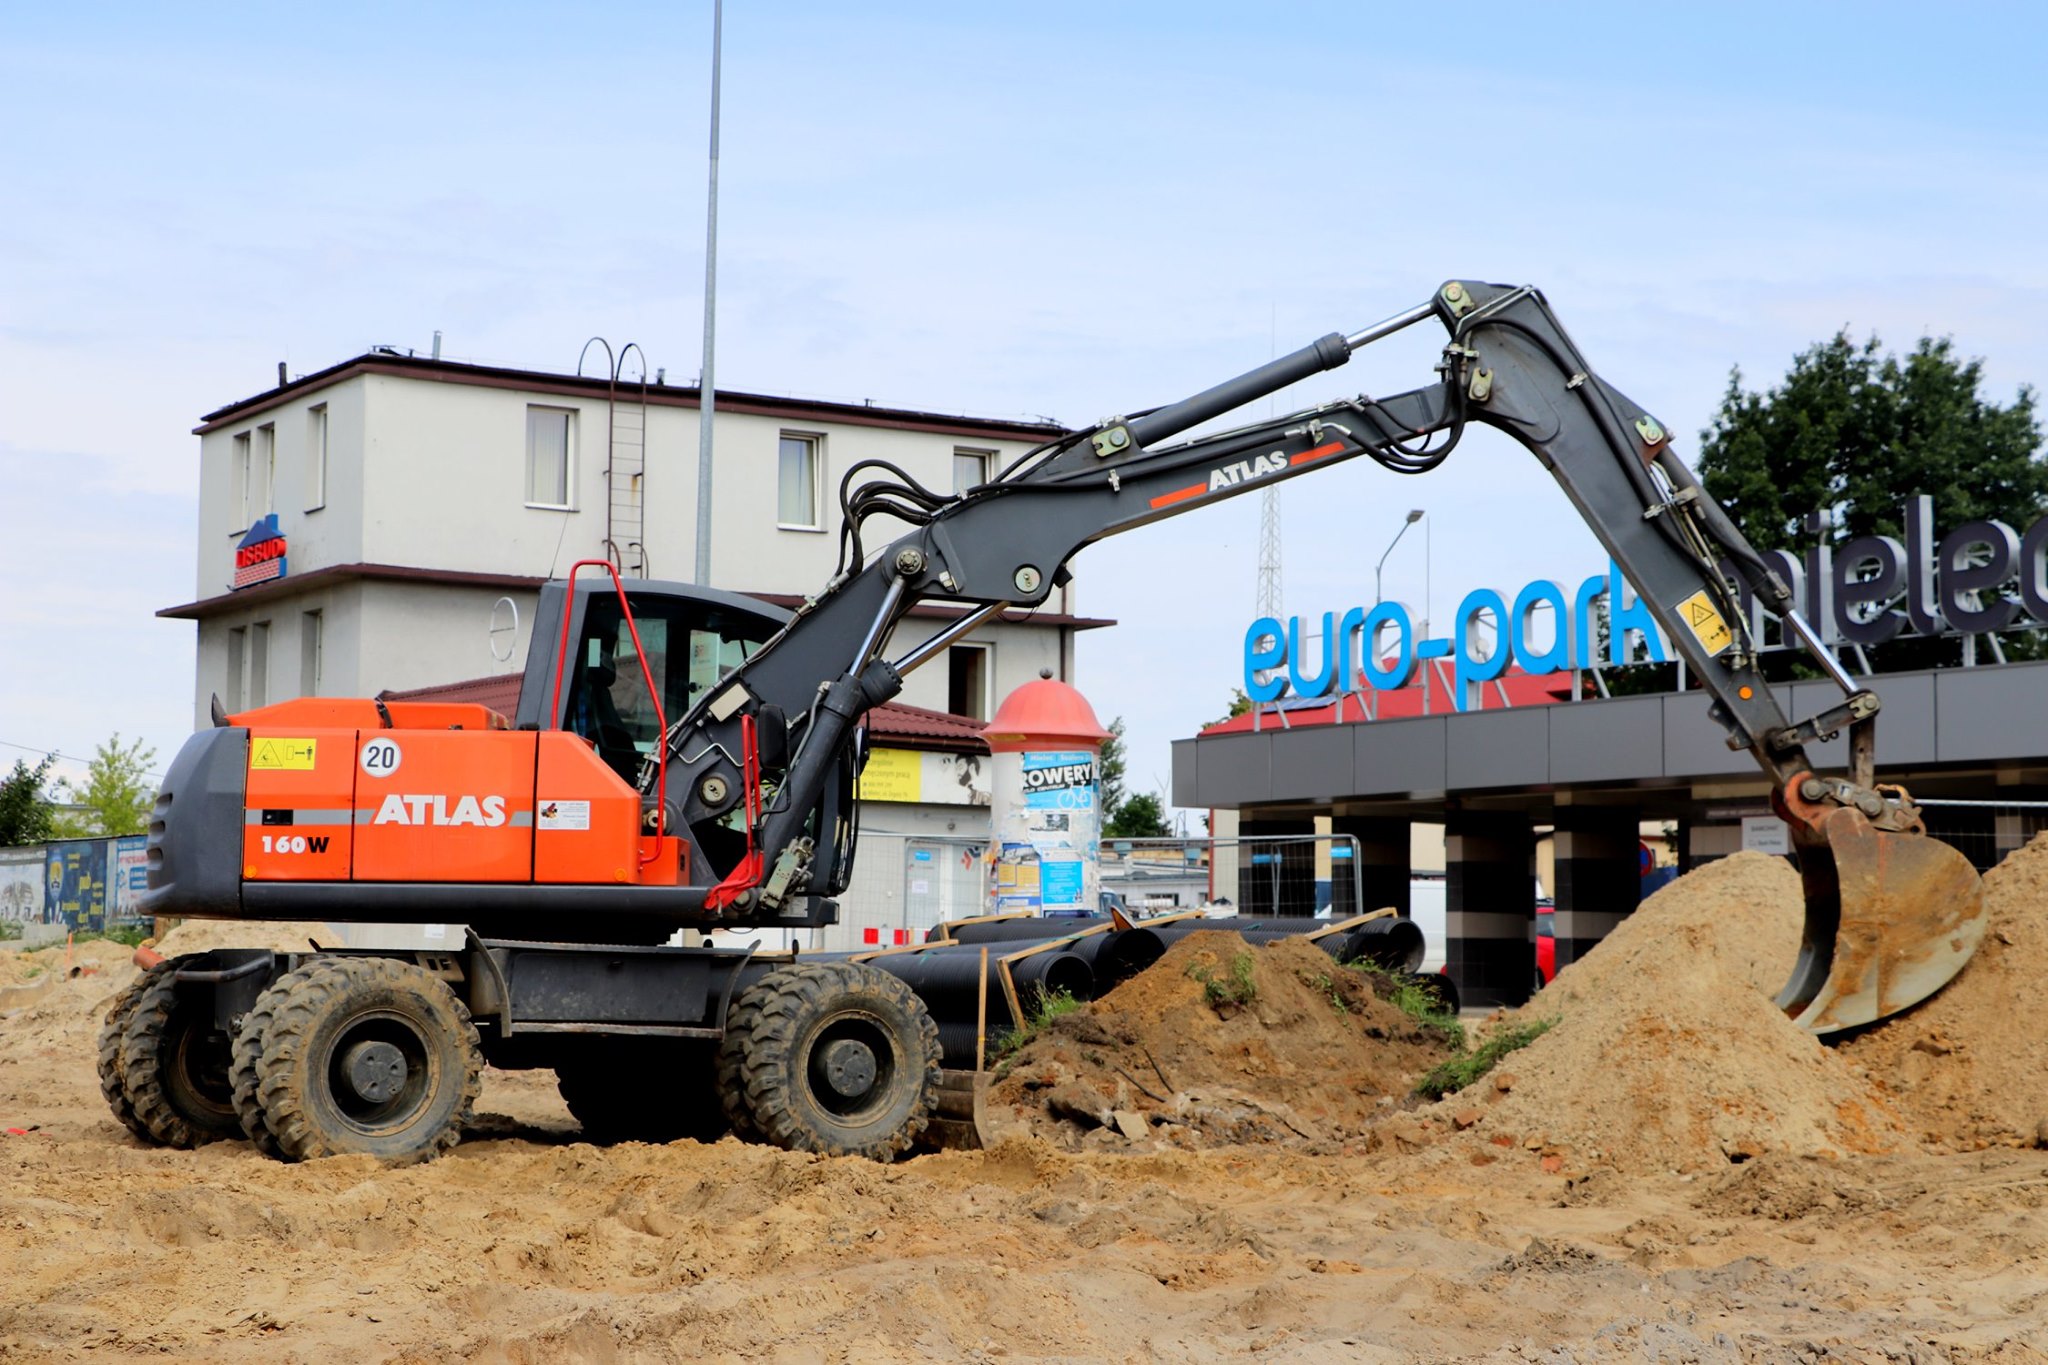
771	733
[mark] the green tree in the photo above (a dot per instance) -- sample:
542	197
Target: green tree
1239	704
25	815
1853	431
1111	768
117	793
1143	816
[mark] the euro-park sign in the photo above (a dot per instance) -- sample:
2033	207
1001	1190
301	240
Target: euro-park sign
1981	576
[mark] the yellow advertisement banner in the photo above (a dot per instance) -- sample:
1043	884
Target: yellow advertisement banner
893	775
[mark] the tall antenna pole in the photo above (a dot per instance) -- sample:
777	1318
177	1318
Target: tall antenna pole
706	384
1269	555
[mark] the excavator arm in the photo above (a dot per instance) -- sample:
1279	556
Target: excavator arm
1891	915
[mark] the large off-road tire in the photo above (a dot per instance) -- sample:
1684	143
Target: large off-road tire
624	1091
113	1080
243	1075
832	1057
174	1065
367	1055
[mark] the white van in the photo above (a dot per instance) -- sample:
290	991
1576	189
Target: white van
1427	901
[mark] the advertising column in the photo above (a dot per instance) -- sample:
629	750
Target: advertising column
1047	805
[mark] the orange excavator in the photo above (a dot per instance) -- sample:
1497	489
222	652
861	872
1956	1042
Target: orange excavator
685	758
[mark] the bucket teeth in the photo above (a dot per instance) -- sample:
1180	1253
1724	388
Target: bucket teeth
1890	918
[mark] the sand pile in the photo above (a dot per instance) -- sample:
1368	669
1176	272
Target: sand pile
284	936
1307	1056
1969	1068
1667	1052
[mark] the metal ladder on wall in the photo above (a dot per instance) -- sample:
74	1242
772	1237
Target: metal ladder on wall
625	473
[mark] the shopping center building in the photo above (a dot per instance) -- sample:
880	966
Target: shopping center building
1501	746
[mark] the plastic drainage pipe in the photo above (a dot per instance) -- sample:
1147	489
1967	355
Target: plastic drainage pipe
948	980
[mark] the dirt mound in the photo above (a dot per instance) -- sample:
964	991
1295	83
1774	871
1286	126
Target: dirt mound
1667	1053
1969	1068
1221	1042
200	935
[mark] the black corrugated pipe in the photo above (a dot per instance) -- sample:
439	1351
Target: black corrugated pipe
1032	927
948	980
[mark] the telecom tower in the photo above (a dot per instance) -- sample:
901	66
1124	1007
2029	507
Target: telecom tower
1269	558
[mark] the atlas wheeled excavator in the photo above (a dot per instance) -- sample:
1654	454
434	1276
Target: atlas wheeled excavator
684	758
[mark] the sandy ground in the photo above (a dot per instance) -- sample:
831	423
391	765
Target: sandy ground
1473	1232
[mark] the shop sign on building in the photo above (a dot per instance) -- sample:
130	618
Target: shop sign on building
260	557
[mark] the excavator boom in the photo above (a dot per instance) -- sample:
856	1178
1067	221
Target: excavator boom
1891	915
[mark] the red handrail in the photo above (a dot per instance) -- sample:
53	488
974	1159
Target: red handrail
653	692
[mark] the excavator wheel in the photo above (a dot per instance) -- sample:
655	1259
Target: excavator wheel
831	1057
174	1065
623	1092
366	1055
248	1054
113	1082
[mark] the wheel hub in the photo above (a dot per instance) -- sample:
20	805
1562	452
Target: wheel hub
849	1067
374	1070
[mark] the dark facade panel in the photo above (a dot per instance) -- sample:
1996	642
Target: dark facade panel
1499	748
1985	713
1187	757
1235	770
1695	745
1399	757
1611	741
1311	763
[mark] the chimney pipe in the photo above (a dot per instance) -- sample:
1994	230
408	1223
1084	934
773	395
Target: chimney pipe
437	343
280	374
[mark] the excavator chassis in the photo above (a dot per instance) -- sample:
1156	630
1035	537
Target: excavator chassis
380	1052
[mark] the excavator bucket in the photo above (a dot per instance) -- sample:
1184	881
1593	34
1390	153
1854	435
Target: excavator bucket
1891	917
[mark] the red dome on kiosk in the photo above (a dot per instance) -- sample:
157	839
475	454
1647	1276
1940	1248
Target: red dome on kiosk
1044	714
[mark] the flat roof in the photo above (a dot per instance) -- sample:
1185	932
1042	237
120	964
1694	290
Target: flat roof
657	395
279	588
1940	732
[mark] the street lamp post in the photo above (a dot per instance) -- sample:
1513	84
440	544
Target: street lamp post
1412	518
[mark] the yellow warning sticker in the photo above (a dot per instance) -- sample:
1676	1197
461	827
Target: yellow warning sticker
1703	619
282	755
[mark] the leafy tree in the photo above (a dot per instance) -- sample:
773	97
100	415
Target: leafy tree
1111	768
1141	817
117	793
25	815
1239	704
1852	431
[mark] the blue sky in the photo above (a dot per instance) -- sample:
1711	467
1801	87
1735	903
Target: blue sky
1001	209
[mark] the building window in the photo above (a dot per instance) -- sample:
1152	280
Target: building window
550	450
316	458
241	474
796	485
259	664
968	672
971	467
309	653
266	470
238	657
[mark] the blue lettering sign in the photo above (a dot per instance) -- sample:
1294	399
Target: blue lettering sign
1378	648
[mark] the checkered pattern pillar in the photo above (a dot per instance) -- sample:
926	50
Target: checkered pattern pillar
1599	878
1490	883
1383	869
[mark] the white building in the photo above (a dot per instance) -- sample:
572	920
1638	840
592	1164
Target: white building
419	503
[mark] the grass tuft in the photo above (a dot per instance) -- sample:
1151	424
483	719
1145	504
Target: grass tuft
1462	1070
1045	1007
1413	999
1240	987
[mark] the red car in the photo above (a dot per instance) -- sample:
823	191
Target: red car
1546	943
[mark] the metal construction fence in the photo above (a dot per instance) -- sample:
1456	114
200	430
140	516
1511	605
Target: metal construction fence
1984	831
70	885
